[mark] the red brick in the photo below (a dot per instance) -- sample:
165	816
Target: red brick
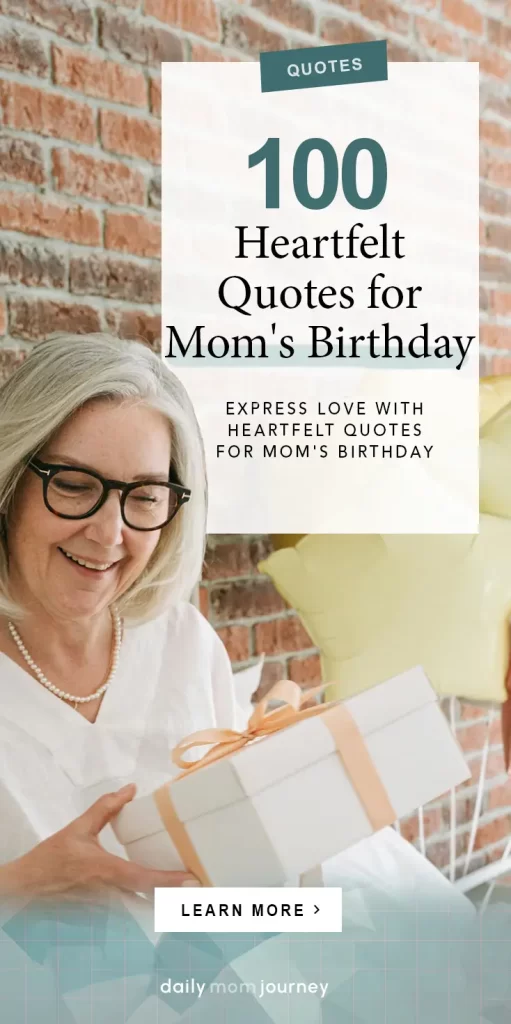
390	15
495	764
491	62
36	215
132	232
498	235
499	34
142	43
305	671
495	336
495	134
84	175
243	33
433	822
499	365
207	53
495	201
398	53
499	303
469	712
21	160
490	833
494	767
495	268
27	108
334	30
439	853
495	731
236	640
464	812
278	636
473	737
99	274
493	855
463	14
245	600
9	360
204	601
273	672
497	103
500	796
137	325
20	51
484	301
438	37
33	319
155	96
130	136
71	19
289	12
197	16
496	170
223	561
92	75
32	264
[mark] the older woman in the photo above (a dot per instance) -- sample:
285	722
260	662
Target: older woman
104	664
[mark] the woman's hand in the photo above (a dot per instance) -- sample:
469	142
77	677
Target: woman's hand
72	862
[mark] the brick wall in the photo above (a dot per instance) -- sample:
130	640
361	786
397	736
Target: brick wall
80	240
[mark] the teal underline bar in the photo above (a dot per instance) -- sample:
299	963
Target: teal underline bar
273	360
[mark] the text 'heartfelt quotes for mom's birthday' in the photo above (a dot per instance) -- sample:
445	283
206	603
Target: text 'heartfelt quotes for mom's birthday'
320	296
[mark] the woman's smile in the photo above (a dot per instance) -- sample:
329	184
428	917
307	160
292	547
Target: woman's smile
91	567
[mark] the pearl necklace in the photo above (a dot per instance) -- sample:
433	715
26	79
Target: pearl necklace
117	624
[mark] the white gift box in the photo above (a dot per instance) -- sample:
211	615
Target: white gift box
284	803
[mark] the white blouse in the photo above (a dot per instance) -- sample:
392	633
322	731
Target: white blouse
174	677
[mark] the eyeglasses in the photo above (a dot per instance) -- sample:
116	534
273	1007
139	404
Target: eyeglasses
74	493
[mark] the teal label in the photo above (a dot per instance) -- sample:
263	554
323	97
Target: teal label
323	65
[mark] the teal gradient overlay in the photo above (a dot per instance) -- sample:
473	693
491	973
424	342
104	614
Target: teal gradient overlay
329	65
390	965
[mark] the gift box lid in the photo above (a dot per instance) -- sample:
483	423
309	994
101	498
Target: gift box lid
266	761
269	760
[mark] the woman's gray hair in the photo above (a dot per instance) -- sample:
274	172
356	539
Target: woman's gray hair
59	376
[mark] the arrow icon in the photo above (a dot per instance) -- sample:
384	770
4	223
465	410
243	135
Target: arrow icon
316	909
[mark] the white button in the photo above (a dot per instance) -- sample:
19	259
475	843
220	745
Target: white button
248	910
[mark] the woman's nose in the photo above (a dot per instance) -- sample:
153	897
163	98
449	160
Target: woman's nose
106	526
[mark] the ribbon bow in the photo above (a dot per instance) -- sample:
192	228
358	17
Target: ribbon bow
223	742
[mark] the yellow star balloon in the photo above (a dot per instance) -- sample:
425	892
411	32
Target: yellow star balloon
376	604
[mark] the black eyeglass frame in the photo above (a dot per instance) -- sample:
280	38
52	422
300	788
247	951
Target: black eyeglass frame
47	470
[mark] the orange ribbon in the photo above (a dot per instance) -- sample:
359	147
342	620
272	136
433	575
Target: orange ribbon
223	742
